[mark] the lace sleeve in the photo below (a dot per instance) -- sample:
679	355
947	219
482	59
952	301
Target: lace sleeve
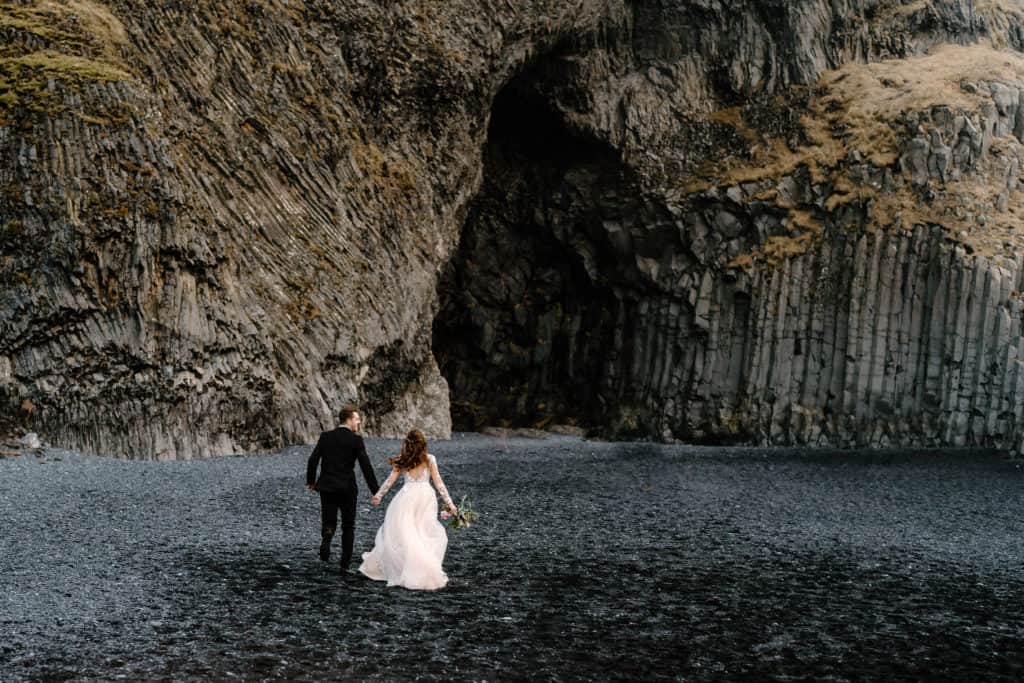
438	482
388	483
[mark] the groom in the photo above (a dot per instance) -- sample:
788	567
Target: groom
337	452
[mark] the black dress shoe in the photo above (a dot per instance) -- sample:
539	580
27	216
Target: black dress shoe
325	551
354	577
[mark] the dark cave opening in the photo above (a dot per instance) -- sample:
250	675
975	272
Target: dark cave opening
528	302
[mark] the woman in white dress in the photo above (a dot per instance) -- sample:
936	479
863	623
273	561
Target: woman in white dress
411	543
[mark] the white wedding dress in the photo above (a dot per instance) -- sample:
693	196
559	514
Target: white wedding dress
411	543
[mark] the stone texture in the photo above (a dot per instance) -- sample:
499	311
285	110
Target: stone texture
221	221
831	291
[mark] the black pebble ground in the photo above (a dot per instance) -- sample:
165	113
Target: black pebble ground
591	561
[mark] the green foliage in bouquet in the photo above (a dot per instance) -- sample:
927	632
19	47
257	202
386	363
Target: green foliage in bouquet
465	518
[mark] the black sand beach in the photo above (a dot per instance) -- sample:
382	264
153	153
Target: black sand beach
591	561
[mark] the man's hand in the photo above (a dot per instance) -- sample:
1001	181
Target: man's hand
311	487
375	501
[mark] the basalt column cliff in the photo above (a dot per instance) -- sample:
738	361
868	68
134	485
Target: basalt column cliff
780	222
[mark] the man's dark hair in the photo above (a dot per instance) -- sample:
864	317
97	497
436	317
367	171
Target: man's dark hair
347	412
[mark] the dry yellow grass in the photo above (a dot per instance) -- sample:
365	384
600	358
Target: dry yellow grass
67	67
873	96
997	15
805	230
801	220
862	108
95	18
67	22
995	7
81	40
24	21
911	8
957	208
845	191
775	250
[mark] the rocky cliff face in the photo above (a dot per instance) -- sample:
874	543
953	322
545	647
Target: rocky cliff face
778	221
797	224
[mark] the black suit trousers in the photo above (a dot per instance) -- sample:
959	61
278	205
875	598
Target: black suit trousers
330	503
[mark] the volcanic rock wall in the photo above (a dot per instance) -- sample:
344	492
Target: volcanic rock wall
832	259
221	221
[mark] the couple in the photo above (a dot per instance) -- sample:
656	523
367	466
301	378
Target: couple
411	543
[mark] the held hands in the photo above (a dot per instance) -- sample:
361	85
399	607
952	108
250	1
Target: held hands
375	500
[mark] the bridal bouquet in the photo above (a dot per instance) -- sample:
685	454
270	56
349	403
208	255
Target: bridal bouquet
465	517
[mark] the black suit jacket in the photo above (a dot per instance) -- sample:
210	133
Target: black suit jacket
337	452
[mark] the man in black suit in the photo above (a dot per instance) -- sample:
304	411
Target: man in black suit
337	452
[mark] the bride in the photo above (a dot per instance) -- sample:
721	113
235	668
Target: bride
411	543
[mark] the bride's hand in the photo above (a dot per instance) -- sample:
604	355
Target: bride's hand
375	500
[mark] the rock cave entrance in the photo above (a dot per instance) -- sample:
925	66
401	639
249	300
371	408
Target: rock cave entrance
528	304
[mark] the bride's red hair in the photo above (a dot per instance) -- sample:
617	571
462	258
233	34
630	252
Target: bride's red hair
414	452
